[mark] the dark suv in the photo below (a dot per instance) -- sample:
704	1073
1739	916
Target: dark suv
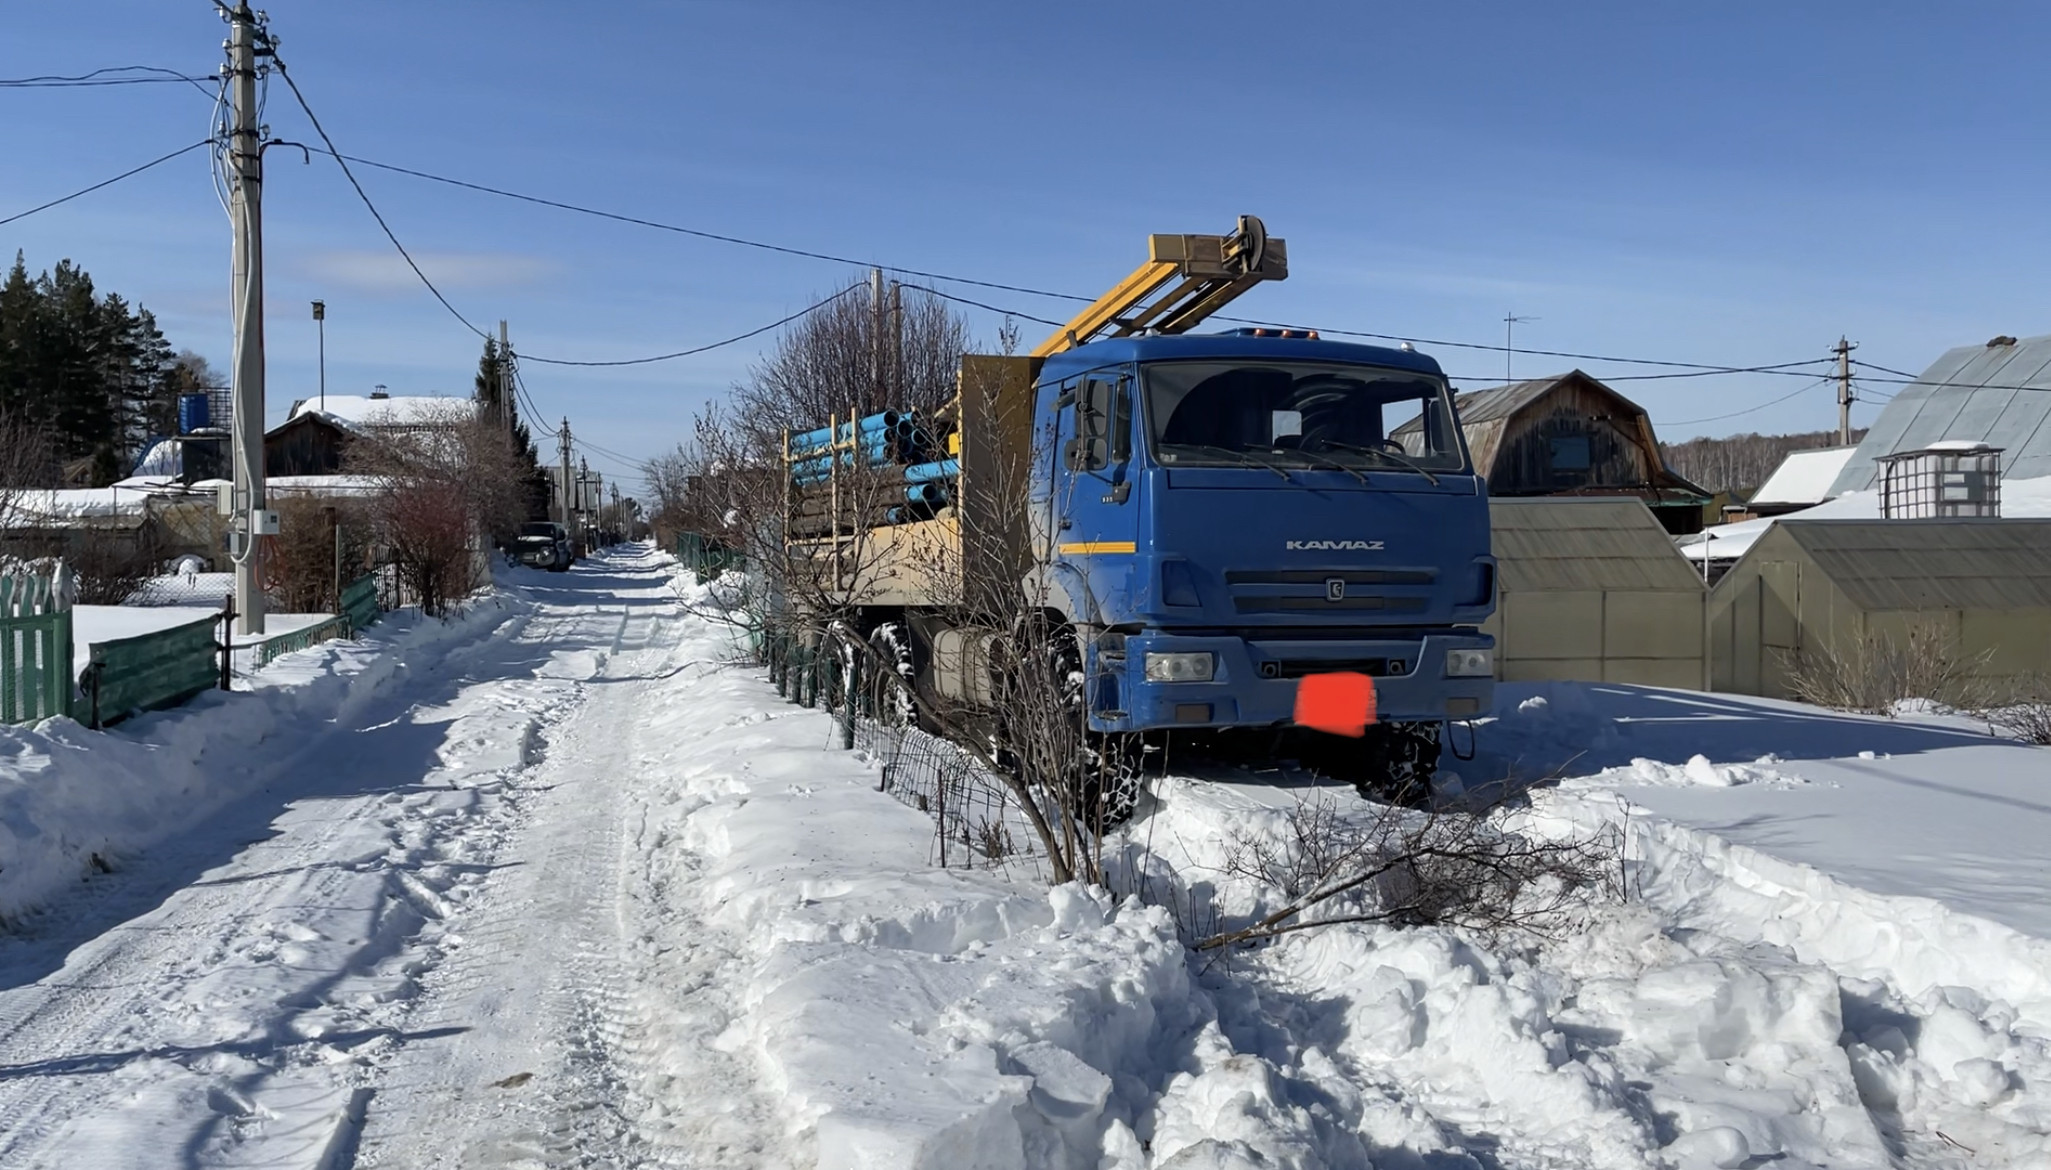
544	544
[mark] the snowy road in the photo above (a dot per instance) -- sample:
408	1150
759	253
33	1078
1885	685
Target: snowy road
417	944
547	886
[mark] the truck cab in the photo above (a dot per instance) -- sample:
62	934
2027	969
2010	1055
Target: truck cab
1222	515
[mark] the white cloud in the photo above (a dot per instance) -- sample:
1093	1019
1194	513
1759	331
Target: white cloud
384	272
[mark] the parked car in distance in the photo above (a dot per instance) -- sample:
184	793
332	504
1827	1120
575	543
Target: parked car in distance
544	544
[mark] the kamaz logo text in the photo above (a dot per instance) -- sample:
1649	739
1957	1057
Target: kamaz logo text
1333	545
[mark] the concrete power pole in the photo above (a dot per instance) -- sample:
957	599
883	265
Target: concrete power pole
563	448
505	377
246	42
1843	350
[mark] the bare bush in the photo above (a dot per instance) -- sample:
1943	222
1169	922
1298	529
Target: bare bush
112	567
442	486
26	462
2024	711
1410	867
301	562
1875	673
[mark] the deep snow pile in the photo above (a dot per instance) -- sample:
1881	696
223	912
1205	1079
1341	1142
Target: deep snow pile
73	800
1737	1011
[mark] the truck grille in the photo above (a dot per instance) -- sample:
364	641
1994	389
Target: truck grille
1305	590
1302	667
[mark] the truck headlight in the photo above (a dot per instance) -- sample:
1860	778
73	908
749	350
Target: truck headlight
1470	663
1196	667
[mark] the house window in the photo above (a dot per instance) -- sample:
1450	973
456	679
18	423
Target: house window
1570	453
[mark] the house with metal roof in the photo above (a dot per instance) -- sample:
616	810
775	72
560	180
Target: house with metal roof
1998	393
1808	587
1593	589
1570	435
1803	480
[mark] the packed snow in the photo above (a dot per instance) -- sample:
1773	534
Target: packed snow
563	883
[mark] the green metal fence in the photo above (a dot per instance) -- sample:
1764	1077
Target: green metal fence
149	671
360	606
705	556
268	650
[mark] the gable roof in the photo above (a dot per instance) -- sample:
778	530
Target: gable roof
1999	394
1485	416
1555	543
362	411
1884	565
1804	477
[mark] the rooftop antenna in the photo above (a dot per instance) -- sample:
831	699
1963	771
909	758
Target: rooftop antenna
1509	348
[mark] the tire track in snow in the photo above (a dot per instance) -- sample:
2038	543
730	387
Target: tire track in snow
595	1004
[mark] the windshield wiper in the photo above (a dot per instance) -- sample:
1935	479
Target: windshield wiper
1380	453
1245	456
1328	461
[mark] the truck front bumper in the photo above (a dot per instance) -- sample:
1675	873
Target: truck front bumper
1254	682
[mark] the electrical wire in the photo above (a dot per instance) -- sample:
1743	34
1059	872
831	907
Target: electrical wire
1883	369
696	349
1784	369
285	73
97	78
1685	422
107	182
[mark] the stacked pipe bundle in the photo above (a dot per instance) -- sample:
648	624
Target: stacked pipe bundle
882	440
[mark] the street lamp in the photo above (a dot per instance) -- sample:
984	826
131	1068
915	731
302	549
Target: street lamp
320	320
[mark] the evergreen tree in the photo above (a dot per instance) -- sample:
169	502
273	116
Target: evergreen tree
497	400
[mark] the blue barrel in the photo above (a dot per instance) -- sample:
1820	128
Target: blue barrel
193	414
938	469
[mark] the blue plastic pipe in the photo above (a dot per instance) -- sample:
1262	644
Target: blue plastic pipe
813	440
938	469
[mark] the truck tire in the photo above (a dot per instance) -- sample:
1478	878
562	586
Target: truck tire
891	676
1397	762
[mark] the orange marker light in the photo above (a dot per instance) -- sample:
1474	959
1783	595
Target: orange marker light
1342	704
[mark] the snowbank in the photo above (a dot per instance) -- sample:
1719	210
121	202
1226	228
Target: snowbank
72	800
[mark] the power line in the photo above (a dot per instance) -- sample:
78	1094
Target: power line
1783	368
107	182
360	194
706	235
1885	370
98	78
1750	409
696	349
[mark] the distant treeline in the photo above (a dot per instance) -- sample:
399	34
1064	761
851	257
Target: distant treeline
1738	464
89	377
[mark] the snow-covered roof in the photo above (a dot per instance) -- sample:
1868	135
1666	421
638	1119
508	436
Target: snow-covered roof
2020	499
363	410
1998	393
1804	477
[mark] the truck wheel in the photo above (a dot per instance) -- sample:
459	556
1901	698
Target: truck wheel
1112	767
892	676
1398	762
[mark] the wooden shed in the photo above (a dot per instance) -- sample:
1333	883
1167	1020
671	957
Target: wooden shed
1570	435
1821	586
1593	589
309	443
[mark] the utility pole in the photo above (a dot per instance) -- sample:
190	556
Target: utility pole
246	42
505	379
880	400
1843	350
563	493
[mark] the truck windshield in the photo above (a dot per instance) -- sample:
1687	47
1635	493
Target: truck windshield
1299	415
538	528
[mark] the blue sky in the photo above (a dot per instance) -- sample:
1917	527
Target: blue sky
1729	184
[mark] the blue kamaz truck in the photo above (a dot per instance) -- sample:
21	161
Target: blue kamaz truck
1207	518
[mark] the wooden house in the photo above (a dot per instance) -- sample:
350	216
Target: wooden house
1570	435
